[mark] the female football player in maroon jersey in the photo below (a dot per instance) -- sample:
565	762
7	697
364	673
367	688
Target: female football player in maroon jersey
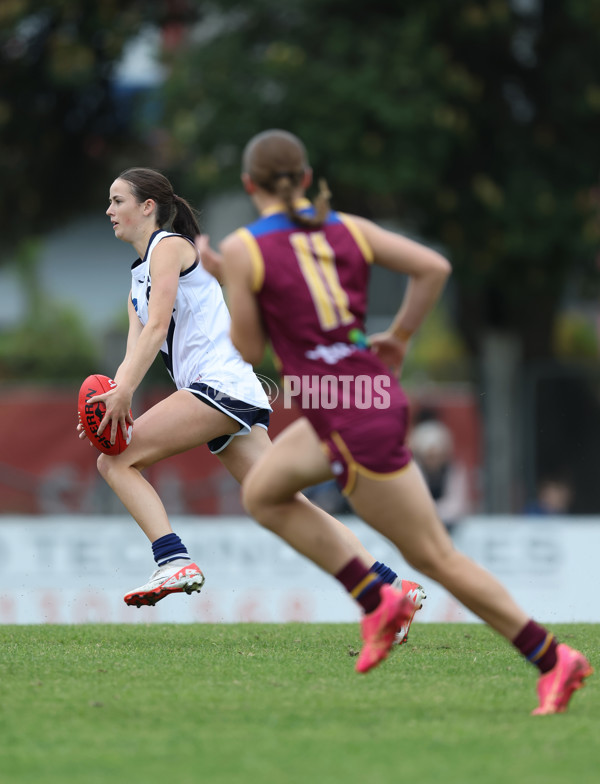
298	277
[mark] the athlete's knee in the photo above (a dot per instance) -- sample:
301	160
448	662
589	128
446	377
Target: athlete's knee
432	559
259	503
108	465
253	499
424	563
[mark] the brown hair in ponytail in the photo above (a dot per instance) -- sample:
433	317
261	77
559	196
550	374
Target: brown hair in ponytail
277	161
172	212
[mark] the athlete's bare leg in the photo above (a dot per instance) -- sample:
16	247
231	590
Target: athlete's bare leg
175	424
245	451
181	422
401	508
272	496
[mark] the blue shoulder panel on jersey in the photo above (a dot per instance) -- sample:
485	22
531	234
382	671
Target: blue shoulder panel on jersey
280	222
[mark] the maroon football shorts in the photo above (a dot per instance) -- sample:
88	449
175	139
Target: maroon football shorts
372	444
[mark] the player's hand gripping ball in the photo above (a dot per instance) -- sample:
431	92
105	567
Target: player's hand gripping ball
91	414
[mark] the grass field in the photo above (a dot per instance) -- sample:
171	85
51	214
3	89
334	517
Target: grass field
266	704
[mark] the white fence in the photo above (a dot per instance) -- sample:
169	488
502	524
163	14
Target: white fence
76	570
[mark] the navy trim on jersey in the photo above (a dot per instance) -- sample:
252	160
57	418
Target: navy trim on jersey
189	269
151	240
137	262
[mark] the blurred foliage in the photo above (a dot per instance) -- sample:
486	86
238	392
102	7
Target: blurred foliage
52	346
576	336
437	352
476	122
61	122
52	342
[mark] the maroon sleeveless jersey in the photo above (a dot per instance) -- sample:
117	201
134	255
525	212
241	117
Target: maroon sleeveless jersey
311	286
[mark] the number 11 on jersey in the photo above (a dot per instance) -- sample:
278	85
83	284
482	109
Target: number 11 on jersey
317	263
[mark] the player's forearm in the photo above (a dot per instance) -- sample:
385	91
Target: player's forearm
421	295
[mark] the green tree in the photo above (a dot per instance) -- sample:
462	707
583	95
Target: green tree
61	125
473	122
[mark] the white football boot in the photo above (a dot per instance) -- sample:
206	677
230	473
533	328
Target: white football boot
174	577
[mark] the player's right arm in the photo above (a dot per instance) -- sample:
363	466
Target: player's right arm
133	334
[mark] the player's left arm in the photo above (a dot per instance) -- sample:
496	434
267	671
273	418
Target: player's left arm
169	257
247	331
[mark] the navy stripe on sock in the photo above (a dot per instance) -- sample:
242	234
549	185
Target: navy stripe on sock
387	575
169	548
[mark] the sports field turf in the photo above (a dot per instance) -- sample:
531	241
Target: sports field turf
264	703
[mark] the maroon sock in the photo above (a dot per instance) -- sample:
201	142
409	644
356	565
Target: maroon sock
361	583
537	645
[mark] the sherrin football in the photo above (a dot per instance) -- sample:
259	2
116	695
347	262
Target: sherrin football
91	414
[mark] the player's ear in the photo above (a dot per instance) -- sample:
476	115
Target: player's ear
249	185
307	178
149	206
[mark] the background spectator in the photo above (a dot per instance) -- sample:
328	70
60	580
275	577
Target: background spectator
433	449
554	496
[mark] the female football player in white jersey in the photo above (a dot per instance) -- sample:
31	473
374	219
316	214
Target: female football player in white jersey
177	308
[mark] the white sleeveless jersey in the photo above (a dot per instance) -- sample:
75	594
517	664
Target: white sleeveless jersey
198	348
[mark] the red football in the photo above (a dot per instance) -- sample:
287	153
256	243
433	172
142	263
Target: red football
91	414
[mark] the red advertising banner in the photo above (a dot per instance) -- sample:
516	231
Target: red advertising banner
46	469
